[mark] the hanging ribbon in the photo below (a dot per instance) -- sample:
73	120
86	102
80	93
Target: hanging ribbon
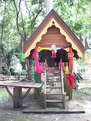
71	75
22	59
65	47
42	48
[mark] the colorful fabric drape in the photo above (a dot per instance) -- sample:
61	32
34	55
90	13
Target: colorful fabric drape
44	48
37	78
38	66
65	47
70	57
71	69
66	69
71	80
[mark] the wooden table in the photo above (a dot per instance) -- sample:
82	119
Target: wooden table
17	90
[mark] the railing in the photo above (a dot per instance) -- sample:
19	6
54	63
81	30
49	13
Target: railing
61	77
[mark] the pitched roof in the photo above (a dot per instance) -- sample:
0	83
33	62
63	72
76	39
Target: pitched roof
64	29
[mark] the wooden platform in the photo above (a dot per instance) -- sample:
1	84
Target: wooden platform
17	90
52	112
20	84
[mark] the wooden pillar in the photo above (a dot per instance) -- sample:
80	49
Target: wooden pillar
36	93
17	99
67	87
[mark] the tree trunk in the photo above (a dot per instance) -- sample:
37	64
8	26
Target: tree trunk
30	69
1	56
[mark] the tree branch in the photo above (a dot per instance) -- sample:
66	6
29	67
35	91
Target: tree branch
77	10
23	25
2	26
28	11
17	15
35	17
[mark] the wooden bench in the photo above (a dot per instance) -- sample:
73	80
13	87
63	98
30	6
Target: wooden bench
17	95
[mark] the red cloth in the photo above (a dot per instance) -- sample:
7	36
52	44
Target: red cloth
71	80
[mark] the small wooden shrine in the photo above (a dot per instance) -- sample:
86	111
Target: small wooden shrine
53	30
56	46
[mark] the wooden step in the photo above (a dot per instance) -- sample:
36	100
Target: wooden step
53	75
56	72
54	101
53	81
54	94
53	87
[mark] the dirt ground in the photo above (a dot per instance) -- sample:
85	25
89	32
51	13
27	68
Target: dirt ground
81	102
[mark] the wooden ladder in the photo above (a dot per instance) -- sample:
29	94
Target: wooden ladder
54	86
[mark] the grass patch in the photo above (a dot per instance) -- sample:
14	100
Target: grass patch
86	91
4	96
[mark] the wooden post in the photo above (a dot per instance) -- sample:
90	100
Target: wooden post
61	77
67	87
36	93
17	99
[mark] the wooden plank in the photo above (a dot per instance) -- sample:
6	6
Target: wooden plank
20	84
51	87
54	94
52	112
53	101
49	80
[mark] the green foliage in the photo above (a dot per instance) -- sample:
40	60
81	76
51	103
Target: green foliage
9	55
78	26
81	64
3	97
37	1
24	72
86	91
76	14
5	71
15	65
2	48
7	60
